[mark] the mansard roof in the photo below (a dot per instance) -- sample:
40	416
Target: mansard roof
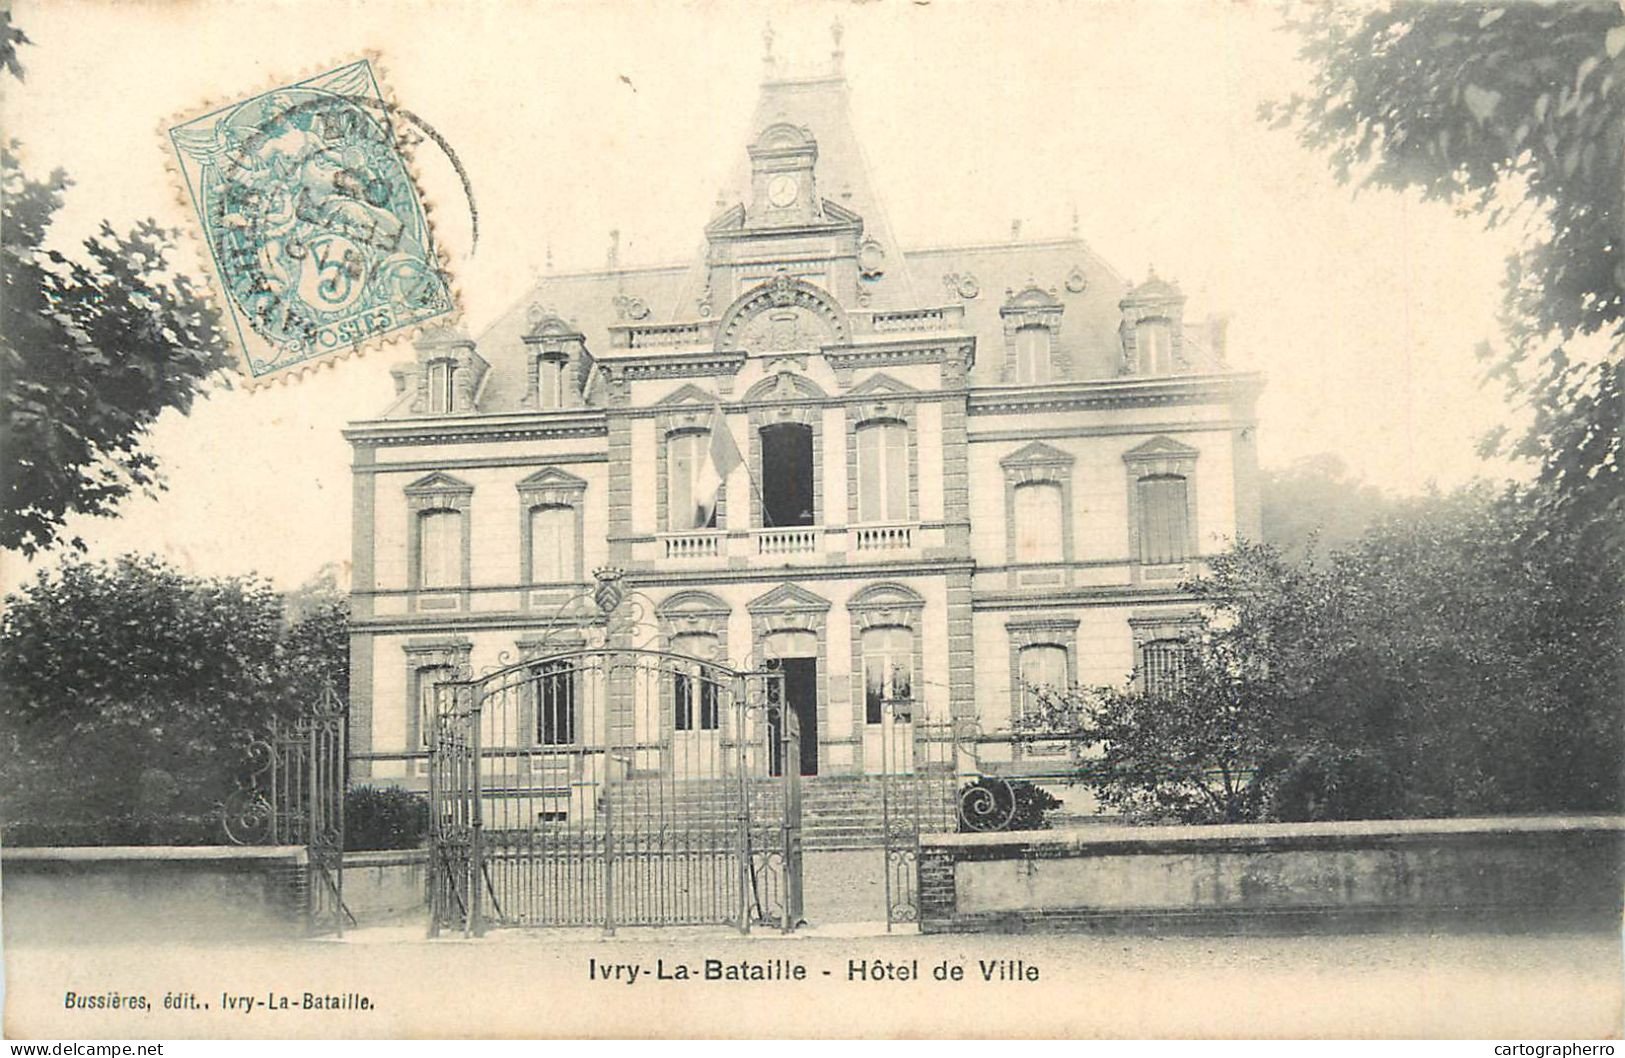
974	277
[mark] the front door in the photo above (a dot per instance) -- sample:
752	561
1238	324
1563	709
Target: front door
801	695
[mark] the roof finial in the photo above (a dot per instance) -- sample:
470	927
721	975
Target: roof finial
550	258
837	57
614	249
1074	220
1015	230
767	49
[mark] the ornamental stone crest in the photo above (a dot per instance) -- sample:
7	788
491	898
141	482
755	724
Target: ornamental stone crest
780	315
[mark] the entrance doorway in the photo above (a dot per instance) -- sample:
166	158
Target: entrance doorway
801	699
787	476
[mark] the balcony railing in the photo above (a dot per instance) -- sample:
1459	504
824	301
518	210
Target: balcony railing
885	537
693	545
797	541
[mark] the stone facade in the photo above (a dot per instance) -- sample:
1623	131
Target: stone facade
1030	408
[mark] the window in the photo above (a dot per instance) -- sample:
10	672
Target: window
1042	668
883	472
787	474
1032	354
1156	347
552	544
440	549
888	671
694	687
695	693
550	382
428	678
555	689
1164	519
1162	665
1039	522
440	386
686	508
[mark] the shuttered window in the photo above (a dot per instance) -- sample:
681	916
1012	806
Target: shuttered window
552	544
1156	347
1038	526
1164	519
549	382
1162	665
440	386
1032	354
440	549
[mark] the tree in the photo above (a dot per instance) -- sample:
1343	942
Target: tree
1316	503
1440	665
1516	113
92	350
129	691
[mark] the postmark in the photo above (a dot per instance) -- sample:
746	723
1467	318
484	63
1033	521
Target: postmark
312	224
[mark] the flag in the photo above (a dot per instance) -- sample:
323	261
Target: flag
722	456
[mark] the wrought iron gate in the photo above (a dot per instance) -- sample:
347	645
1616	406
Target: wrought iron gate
293	794
613	786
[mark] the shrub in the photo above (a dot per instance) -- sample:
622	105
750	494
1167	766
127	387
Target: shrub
384	817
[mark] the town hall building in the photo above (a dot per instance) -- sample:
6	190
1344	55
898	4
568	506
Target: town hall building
938	475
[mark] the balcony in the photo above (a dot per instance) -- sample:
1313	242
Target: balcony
679	546
895	537
800	540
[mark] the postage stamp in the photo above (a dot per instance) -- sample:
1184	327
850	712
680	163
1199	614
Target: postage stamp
314	227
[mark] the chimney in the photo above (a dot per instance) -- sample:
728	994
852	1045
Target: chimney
1218	324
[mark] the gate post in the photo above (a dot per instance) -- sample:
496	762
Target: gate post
741	710
475	924
437	850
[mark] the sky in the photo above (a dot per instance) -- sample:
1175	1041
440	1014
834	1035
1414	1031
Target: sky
572	120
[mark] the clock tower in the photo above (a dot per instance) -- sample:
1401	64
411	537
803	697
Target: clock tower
783	192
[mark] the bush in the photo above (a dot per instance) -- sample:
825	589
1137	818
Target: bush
384	817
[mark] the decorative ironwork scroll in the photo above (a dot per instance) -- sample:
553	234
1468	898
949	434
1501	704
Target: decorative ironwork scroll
293	794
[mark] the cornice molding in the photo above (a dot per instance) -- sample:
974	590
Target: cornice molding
1115	393
474	428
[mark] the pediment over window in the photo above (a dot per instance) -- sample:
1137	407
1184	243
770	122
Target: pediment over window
687	394
788	598
1038	453
438	482
1161	455
784	385
880	385
1033	297
553	477
439	490
693	613
886	605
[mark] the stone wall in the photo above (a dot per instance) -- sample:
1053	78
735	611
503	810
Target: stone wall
1503	873
386	886
113	894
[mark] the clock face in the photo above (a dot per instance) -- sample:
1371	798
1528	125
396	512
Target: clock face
782	191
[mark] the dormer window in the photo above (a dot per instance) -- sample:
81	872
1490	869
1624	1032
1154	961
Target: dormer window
1032	326
448	372
1156	342
1032	354
558	361
550	375
442	396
